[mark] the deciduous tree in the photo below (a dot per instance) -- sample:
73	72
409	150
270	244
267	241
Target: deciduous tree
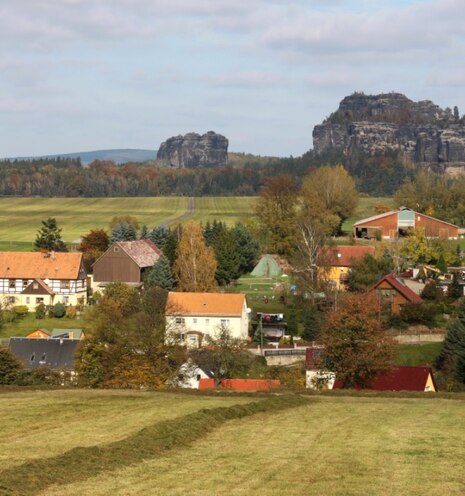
195	265
356	346
93	245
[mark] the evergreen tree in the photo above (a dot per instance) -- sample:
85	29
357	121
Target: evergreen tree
292	324
248	246
159	235
259	335
441	264
49	237
123	232
452	356
144	232
311	321
455	290
169	247
227	257
161	274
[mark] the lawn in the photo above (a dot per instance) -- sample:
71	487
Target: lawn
425	354
366	208
329	446
29	323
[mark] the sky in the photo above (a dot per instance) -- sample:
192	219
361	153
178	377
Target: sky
79	75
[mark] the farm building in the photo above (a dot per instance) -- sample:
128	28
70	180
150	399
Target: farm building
391	225
393	293
401	379
335	261
193	315
49	353
31	278
125	261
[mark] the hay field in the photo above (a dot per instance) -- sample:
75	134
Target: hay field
330	445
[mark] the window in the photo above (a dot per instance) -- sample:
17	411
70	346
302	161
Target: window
115	249
224	322
12	283
25	283
35	285
39	301
43	360
64	284
65	300
194	321
207	322
11	299
33	357
28	300
180	320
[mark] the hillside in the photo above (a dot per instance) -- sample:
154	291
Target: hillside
420	132
137	443
119	156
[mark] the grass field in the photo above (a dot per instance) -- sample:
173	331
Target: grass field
20	218
366	208
328	446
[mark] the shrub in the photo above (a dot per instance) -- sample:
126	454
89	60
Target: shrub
59	310
40	311
71	312
10	368
418	313
20	311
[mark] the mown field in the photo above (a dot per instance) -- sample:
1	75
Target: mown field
324	445
20	218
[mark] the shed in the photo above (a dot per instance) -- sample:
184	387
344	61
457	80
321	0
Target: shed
267	266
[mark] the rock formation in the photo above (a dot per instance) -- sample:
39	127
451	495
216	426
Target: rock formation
375	124
193	150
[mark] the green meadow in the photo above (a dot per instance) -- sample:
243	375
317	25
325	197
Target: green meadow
123	443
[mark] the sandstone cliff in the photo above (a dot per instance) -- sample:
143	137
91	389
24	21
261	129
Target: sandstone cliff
193	150
374	124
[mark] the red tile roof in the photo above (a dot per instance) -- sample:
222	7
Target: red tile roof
342	256
219	304
38	265
400	286
143	251
398	379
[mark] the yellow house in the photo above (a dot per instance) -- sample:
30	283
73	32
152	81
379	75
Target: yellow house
335	262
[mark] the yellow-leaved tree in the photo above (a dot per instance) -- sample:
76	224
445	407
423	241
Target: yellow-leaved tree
195	264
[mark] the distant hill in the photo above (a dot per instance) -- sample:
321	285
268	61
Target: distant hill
119	156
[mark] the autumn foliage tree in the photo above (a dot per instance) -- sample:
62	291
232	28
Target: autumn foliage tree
195	265
356	346
93	244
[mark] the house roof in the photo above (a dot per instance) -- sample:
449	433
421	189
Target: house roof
342	256
143	251
387	214
38	265
213	304
400	286
42	288
398	379
65	333
40	352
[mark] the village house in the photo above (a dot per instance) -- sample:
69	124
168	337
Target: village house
393	293
125	261
191	316
335	262
31	278
396	223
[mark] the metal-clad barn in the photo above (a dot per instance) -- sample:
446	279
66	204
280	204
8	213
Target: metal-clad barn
395	223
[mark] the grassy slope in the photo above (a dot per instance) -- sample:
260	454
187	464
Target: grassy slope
424	354
39	424
332	446
29	323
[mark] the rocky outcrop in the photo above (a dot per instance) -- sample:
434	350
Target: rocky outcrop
193	150
375	124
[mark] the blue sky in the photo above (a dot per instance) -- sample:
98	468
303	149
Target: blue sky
79	75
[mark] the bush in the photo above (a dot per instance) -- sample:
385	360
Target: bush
40	311
20	311
10	368
59	310
418	313
71	312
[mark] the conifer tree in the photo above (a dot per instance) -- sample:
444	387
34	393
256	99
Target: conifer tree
159	235
144	232
227	257
123	232
248	246
49	237
161	274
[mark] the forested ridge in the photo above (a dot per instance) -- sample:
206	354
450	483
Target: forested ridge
69	178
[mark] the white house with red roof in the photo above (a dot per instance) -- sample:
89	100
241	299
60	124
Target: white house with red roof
31	278
191	316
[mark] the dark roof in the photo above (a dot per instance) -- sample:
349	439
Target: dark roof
43	352
38	286
398	379
400	286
